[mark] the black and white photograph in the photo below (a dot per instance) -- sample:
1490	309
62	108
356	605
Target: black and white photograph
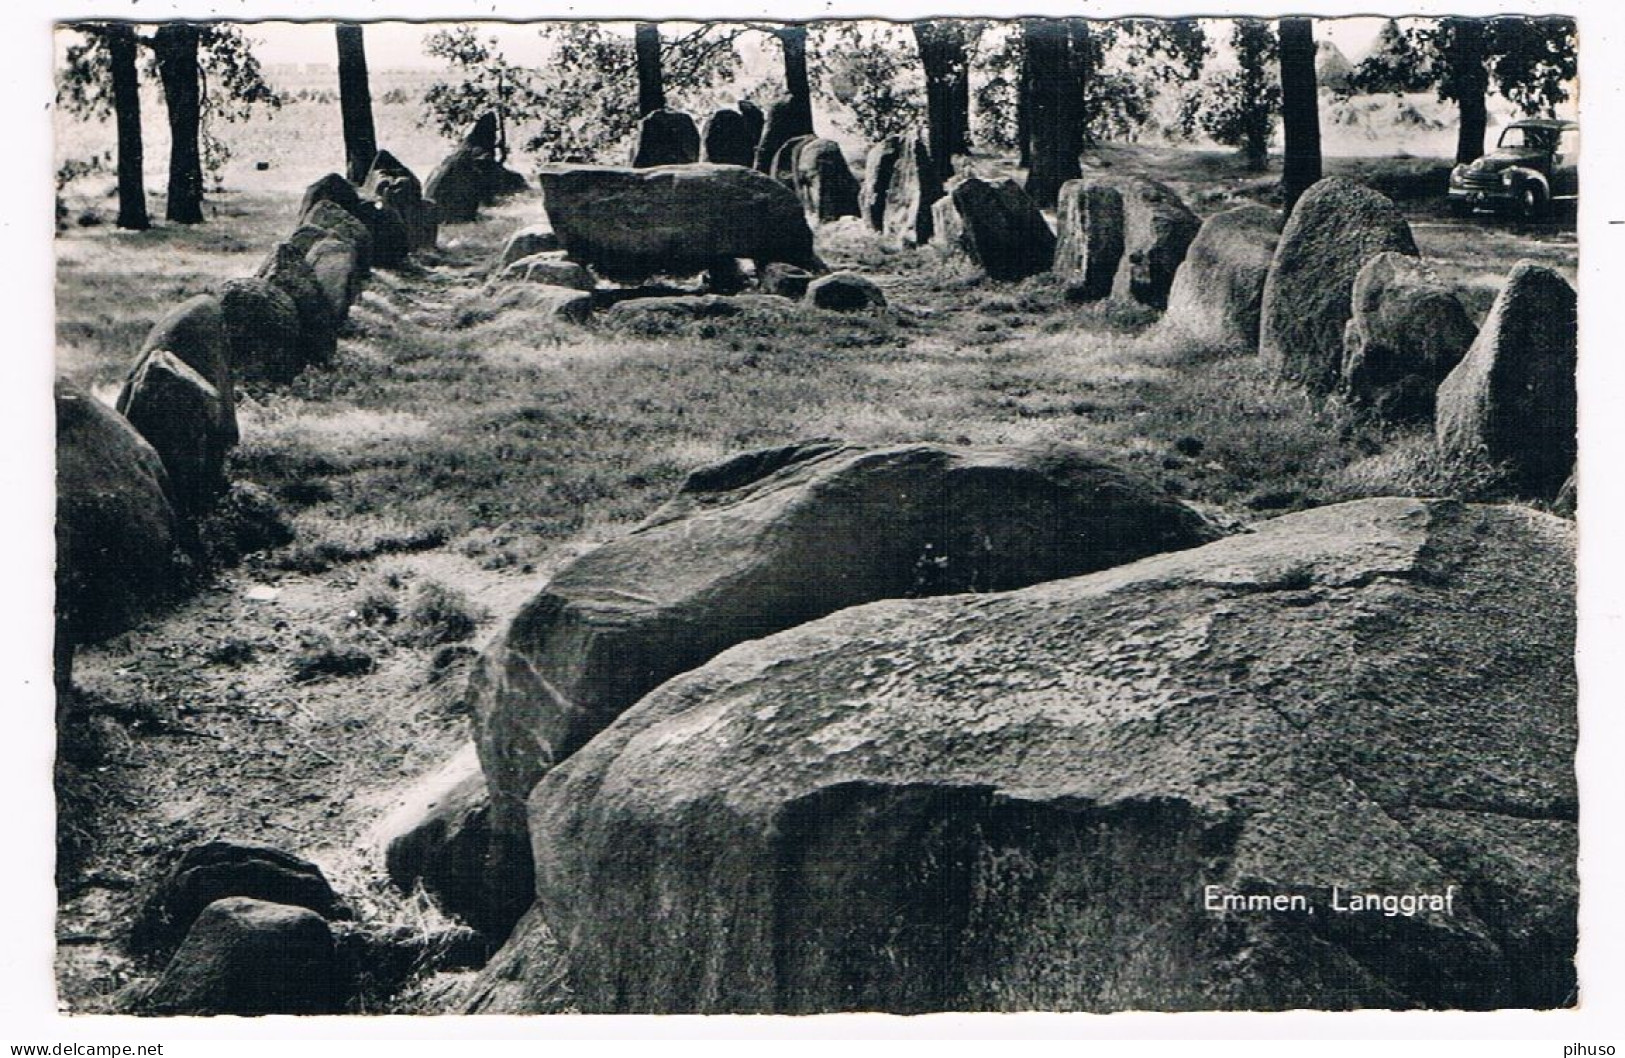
724	515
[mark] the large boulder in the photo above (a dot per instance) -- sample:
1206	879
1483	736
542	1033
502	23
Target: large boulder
1408	331
914	189
262	328
878	167
1116	792
385	166
772	539
551	268
118	551
393	184
785	121
1218	290
341	224
391	239
727	139
1157	230
534	239
1513	396
538	300
1088	238
219	869
787	159
787	281
825	182
421	217
249	957
675	220
287	268
332	188
666	137
755	122
482	135
845	292
1335	227
997	226
195	331
336	266
186	422
440	838
531	973
457	184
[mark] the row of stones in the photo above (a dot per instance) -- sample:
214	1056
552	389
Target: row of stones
133	481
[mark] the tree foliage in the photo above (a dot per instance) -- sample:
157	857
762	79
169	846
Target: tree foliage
1239	107
995	118
872	70
1531	61
583	101
1131	61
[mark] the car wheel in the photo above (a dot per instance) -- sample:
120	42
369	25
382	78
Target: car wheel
1461	209
1532	202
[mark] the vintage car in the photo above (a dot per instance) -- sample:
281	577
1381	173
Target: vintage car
1536	162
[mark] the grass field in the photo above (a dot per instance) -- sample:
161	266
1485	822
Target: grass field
452	455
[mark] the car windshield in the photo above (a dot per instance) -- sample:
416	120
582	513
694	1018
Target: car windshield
1520	136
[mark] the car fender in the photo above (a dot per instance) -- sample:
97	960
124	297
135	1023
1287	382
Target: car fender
1526	175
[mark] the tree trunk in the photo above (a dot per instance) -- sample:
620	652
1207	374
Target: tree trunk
1253	45
651	79
1469	81
355	103
1024	108
947	91
132	189
1300	109
176	45
794	40
1081	53
1055	113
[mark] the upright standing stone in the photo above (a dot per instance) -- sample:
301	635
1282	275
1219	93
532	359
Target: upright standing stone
1218	289
1157	230
878	168
262	327
457	185
1000	229
1408	332
1513	396
287	269
186	421
117	536
195	331
1334	229
755	121
727	139
825	183
914	189
787	159
666	137
335	189
343	224
1088	238
785	121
